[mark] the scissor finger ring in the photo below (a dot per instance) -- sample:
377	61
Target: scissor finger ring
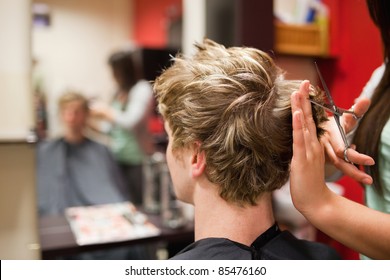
356	117
346	156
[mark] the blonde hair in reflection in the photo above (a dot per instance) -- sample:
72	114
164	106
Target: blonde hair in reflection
71	96
235	102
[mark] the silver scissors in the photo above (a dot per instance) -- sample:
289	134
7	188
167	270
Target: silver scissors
337	112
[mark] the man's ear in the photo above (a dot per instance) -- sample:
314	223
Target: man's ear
198	161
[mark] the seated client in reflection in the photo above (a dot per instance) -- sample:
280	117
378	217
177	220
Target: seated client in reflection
74	170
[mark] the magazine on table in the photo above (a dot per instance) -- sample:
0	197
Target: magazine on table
109	223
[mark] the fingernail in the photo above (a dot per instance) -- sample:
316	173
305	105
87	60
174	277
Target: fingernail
369	162
367	181
307	86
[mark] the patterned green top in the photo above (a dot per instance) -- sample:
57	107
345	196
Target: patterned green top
124	144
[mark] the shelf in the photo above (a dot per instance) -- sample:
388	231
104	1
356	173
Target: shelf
307	40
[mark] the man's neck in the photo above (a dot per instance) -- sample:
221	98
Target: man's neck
74	138
214	217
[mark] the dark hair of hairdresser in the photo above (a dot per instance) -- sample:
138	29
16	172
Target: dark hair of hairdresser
368	134
125	69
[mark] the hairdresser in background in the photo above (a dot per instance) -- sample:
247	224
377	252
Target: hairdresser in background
128	115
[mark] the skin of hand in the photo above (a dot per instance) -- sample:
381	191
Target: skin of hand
334	145
306	161
358	227
102	111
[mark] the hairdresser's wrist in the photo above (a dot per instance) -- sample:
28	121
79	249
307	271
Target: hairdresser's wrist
318	210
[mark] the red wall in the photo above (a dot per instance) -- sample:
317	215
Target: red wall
151	21
356	46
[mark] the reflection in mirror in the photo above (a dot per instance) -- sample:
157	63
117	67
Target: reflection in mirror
90	152
71	41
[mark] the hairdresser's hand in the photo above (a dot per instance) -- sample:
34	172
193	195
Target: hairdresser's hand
307	182
100	110
334	145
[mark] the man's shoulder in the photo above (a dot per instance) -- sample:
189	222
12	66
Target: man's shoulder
285	246
45	146
97	147
94	143
214	249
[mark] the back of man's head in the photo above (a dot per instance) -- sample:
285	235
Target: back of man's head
236	104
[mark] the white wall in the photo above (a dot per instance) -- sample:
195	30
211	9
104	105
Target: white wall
15	92
73	51
194	23
18	217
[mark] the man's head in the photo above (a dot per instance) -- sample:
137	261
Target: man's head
235	104
73	108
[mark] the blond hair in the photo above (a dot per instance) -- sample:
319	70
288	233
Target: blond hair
235	102
71	96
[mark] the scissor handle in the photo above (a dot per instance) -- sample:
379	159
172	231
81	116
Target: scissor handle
342	132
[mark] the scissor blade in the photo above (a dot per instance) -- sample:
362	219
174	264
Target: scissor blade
326	107
330	99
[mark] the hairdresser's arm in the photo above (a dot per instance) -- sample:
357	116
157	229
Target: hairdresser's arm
358	227
139	105
334	147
